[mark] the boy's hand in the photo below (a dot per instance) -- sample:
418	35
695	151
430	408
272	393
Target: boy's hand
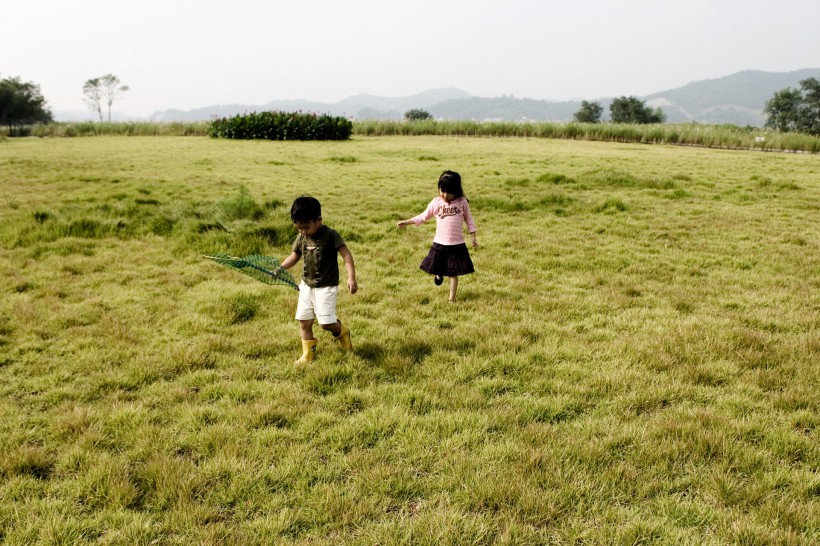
352	286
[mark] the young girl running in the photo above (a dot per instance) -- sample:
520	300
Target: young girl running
449	255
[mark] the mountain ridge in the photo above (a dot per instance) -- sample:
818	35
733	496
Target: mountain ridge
737	99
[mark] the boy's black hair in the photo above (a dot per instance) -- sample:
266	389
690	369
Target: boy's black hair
450	182
305	209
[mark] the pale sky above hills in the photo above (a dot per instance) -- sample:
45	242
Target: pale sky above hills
190	54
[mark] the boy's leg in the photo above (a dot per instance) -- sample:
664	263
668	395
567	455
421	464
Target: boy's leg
341	333
308	342
326	315
335	328
308	351
306	329
305	316
453	288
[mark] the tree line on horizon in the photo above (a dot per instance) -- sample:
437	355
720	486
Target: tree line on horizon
789	110
621	110
22	105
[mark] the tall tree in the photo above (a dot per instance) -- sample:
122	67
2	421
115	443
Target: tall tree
92	91
590	112
811	106
783	110
634	110
21	104
103	89
795	109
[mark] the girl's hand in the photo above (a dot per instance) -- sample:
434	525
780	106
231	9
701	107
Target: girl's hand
402	223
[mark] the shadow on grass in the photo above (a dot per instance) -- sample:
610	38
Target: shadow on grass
395	361
324	379
376	354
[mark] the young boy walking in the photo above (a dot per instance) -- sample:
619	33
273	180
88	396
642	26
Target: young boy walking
320	247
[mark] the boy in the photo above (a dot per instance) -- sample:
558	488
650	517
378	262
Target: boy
319	246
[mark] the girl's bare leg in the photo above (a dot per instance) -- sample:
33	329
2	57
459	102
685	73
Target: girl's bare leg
453	288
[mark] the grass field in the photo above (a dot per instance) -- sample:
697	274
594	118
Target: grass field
635	360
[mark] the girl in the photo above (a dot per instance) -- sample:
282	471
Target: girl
449	255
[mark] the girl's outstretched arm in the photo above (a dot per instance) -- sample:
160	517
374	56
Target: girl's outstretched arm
420	219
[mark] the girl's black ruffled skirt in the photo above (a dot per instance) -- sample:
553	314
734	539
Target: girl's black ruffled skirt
448	260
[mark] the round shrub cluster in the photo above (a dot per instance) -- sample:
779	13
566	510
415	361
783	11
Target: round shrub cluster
282	126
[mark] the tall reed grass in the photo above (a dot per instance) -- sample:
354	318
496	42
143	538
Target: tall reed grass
692	134
711	136
120	128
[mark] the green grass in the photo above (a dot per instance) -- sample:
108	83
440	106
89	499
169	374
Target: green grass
633	362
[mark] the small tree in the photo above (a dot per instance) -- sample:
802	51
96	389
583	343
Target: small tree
21	104
103	89
417	114
633	110
590	112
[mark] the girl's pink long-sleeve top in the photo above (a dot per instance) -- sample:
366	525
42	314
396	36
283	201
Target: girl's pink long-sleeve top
448	219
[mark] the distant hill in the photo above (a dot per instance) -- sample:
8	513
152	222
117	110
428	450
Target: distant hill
504	109
737	99
226	110
374	107
358	106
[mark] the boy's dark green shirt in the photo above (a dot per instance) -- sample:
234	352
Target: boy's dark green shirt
320	255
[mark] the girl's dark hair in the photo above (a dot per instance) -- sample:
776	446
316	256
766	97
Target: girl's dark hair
450	182
305	209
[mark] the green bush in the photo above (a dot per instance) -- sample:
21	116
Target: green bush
282	126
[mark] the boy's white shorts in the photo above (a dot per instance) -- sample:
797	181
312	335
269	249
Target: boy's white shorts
317	303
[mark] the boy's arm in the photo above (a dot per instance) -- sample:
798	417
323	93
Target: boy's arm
350	266
291	260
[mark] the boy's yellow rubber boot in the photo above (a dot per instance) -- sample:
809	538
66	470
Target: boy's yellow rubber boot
308	351
344	338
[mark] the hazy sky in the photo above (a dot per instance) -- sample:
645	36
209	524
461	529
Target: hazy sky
190	54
